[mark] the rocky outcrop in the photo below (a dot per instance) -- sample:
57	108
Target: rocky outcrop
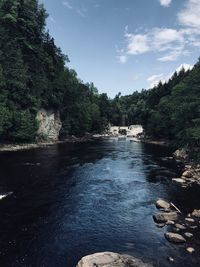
163	217
49	125
175	238
110	259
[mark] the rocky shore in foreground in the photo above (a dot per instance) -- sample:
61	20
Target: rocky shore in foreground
110	259
181	229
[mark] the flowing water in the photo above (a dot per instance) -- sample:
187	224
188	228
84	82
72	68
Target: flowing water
70	200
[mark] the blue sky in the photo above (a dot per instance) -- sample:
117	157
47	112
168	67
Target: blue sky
125	45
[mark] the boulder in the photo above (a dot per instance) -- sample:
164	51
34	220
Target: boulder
180	226
190	249
196	213
181	154
163	217
188	235
190	220
110	259
162	204
187	174
175	238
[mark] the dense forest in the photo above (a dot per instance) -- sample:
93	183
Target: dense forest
170	110
34	74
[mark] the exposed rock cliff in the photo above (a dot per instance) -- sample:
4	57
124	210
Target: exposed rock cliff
49	125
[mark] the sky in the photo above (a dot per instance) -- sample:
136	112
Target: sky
126	45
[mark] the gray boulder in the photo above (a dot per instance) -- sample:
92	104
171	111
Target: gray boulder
175	238
162	204
163	217
110	259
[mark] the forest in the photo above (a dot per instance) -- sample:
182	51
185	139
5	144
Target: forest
34	74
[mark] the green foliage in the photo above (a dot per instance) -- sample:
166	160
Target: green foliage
34	75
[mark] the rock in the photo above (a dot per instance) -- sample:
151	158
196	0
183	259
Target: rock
162	204
187	174
196	213
179	180
189	220
170	223
163	217
160	225
188	167
175	238
110	259
180	154
188	235
170	259
193	227
190	249
180	226
49	125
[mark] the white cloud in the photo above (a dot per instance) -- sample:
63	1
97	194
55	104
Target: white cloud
155	79
189	16
67	4
165	3
165	40
137	44
122	58
80	11
169	44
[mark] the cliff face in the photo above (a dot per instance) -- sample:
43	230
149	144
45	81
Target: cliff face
49	125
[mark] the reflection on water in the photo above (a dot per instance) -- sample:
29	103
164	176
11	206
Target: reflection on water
70	200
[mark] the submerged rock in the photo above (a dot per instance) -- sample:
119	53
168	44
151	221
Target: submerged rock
175	238
162	204
163	217
110	259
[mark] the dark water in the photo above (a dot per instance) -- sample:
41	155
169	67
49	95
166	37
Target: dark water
72	200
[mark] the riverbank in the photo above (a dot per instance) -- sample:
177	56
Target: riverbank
26	146
191	171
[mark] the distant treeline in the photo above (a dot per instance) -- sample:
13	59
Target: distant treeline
170	110
34	75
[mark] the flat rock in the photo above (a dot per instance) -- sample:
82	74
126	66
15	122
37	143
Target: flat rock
189	220
196	213
163	217
175	238
179	180
190	249
162	204
188	235
187	174
110	259
180	226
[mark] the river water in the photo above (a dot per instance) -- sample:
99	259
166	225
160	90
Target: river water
70	200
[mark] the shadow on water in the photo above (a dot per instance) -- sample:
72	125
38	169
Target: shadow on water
71	200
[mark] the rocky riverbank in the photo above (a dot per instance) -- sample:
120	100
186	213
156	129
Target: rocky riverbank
110	259
191	171
27	146
180	228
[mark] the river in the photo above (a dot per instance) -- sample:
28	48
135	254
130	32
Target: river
70	200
